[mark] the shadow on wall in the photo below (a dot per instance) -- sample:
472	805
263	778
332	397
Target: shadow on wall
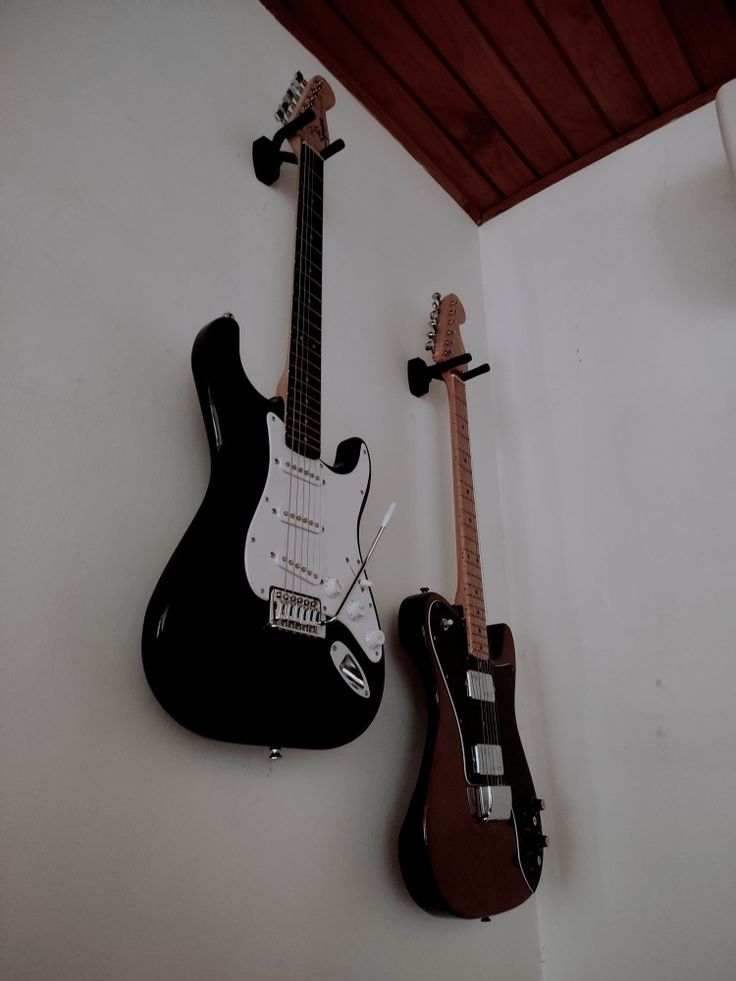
695	226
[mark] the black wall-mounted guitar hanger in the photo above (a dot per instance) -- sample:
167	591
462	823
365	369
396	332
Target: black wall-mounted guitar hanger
268	157
420	374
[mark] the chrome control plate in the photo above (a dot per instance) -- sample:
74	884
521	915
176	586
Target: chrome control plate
490	803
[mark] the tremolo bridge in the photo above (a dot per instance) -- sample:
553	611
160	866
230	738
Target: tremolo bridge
296	613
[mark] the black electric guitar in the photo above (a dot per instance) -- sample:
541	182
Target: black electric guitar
471	844
262	628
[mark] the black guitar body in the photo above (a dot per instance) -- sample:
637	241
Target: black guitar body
209	654
452	862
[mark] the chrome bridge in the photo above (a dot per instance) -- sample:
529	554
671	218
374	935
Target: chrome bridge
490	803
295	612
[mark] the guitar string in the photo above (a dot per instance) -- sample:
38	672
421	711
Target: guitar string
489	716
318	250
310	382
464	517
489	669
298	535
290	378
309	536
301	509
486	666
293	387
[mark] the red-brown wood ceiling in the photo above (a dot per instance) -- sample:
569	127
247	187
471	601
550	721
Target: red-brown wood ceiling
500	98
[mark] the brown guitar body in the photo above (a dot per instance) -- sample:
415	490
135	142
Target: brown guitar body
452	862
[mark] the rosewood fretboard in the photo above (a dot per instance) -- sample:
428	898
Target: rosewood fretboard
304	391
469	576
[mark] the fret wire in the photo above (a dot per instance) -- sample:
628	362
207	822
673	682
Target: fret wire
304	378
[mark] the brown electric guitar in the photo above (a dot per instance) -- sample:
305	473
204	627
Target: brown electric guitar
472	842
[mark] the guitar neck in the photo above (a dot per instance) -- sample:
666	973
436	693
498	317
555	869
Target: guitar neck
469	575
304	389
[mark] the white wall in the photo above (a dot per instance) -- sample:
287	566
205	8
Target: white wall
611	304
129	217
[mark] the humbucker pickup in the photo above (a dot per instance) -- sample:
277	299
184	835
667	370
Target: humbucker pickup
295	612
480	686
487	760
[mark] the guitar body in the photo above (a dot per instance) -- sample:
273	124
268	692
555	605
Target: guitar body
454	863
211	652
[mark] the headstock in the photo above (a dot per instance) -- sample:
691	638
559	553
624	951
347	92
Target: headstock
445	318
446	345
301	95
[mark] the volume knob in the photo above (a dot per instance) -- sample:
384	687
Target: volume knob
333	587
374	639
355	609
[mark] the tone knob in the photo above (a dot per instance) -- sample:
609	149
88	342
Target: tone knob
374	639
333	587
355	609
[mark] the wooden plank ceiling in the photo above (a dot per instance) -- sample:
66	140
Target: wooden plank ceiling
501	98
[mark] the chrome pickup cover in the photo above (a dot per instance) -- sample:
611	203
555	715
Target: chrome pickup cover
295	612
490	803
487	760
479	685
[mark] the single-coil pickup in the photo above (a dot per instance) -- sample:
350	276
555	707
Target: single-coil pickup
297	613
480	686
302	521
312	473
294	567
487	760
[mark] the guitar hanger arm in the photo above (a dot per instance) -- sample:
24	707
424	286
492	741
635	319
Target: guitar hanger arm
420	374
268	157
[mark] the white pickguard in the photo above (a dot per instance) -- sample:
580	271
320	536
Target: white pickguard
303	536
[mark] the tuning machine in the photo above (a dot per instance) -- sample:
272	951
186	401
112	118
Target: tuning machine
290	97
434	319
